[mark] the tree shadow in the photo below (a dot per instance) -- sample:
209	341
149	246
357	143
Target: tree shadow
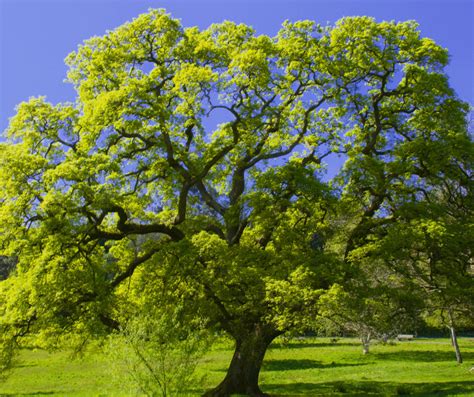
290	364
421	356
300	345
368	388
25	365
36	393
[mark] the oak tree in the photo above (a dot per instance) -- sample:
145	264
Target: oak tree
190	168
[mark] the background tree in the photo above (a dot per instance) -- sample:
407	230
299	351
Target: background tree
435	250
379	308
189	169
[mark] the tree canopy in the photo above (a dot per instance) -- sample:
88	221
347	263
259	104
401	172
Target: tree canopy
191	168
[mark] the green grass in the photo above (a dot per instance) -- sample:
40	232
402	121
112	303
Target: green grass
310	367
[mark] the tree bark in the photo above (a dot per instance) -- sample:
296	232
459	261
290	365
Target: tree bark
454	338
244	369
454	341
365	339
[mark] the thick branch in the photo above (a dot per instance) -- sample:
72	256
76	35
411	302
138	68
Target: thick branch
126	228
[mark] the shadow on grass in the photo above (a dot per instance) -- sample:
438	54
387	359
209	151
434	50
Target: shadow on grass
25	365
368	388
421	356
302	345
289	364
36	393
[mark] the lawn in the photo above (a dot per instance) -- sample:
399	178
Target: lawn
309	367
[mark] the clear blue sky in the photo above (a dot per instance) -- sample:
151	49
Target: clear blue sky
36	35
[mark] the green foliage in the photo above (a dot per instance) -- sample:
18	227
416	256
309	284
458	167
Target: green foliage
374	312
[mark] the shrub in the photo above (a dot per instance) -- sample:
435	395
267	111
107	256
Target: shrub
157	354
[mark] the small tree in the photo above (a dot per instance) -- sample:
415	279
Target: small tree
370	313
158	354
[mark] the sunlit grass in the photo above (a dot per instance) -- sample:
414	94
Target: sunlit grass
309	367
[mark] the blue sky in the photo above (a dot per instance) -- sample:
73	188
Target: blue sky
36	36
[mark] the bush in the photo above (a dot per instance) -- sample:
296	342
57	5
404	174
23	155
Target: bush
157	354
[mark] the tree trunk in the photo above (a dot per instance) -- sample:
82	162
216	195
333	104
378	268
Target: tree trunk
365	339
454	341
244	369
454	338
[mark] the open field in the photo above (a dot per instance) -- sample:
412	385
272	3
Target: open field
309	367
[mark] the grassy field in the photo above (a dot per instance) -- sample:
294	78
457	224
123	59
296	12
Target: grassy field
310	367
